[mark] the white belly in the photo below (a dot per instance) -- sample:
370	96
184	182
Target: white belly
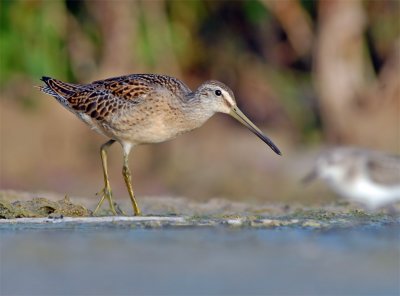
369	193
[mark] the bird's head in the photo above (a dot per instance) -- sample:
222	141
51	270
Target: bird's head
334	165
217	97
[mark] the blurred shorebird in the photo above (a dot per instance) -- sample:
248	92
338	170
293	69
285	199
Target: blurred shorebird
370	178
144	108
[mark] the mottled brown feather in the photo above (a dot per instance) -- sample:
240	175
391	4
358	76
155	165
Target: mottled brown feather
132	87
102	98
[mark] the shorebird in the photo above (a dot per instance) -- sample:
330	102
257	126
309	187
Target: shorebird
370	178
144	108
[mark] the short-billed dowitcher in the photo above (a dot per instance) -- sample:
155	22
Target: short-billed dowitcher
370	178
144	108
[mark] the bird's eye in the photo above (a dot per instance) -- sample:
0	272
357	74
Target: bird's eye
218	92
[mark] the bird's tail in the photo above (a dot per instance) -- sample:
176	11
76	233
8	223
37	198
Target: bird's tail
58	89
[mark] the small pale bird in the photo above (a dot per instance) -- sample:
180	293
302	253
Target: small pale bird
144	108
370	178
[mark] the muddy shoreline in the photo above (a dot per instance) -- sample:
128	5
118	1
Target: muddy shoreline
52	210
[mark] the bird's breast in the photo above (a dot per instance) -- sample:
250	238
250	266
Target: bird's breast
152	126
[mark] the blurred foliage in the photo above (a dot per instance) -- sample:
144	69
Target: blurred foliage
32	41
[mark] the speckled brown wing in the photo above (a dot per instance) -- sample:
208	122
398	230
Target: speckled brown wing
384	169
82	99
102	98
98	104
131	87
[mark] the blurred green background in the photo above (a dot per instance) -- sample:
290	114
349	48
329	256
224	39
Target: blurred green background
309	73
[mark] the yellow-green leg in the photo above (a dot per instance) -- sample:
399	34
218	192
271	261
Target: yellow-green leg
127	177
106	191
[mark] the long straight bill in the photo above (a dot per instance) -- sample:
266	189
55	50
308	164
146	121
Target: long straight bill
239	116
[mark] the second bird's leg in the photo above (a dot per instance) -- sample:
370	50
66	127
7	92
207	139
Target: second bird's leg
127	177
106	191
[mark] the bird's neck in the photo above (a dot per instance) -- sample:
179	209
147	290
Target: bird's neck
196	113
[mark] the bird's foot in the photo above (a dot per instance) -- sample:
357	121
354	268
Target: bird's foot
105	193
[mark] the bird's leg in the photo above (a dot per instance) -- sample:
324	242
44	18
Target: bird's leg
127	177
106	191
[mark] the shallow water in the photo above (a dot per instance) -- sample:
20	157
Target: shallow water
97	260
